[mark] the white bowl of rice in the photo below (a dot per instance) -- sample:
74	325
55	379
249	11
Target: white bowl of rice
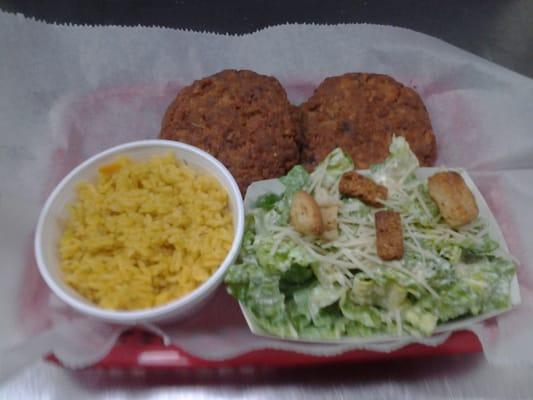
142	232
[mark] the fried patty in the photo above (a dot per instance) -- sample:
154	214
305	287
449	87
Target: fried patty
360	113
242	118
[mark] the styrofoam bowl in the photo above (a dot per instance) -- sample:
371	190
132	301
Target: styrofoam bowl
55	211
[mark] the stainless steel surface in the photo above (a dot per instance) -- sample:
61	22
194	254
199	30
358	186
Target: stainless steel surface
461	377
499	31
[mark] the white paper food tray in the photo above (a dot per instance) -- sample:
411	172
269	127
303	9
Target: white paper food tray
275	186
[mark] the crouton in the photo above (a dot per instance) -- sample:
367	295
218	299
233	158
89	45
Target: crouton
389	235
456	202
329	221
329	217
305	214
365	189
330	235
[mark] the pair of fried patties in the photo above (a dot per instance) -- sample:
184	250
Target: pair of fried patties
246	121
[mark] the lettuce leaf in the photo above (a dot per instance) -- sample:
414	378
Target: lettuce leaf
281	255
295	180
328	173
398	168
267	201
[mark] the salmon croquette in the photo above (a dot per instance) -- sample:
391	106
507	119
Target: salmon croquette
360	113
240	117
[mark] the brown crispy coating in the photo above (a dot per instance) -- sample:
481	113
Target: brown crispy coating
353	184
389	235
360	113
242	118
456	202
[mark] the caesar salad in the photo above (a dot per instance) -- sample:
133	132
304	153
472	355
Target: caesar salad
383	253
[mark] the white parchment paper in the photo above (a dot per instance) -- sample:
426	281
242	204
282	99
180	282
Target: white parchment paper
67	92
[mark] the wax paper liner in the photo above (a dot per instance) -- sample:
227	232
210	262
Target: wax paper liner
68	92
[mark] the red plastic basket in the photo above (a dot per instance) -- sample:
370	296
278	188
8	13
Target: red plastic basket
139	349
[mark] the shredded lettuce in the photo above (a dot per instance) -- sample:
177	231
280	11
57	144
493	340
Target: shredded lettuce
296	286
281	255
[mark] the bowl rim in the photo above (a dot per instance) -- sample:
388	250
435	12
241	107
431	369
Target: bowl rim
134	316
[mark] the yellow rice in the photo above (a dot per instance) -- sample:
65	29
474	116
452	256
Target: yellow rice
145	233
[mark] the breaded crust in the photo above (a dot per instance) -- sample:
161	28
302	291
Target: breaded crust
353	184
456	202
389	235
360	113
242	118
